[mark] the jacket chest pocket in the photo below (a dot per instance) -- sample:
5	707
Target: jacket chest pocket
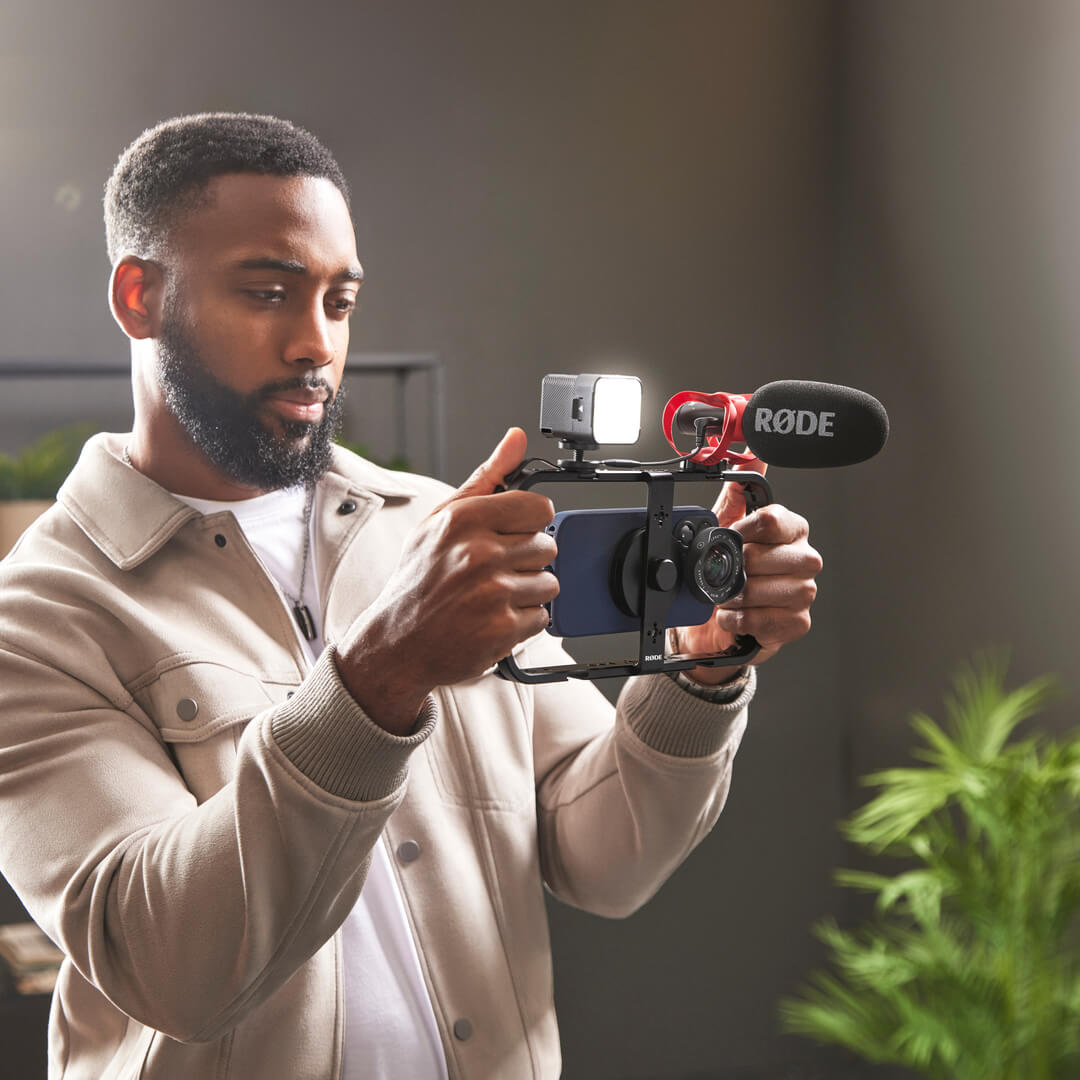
201	709
481	751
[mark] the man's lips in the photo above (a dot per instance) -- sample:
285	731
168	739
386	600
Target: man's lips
304	405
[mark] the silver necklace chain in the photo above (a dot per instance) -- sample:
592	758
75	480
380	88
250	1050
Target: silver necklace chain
301	612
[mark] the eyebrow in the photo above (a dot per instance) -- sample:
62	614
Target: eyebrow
292	266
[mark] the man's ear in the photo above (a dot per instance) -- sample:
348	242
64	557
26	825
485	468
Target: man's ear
135	294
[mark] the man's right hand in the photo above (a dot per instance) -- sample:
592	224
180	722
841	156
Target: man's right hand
468	588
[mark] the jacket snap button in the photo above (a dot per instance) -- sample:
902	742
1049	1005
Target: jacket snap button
347	507
220	540
462	1030
187	708
408	851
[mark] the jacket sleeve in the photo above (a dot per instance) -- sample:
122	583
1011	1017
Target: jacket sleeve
186	916
625	794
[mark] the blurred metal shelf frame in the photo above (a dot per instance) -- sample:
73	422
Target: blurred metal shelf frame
400	365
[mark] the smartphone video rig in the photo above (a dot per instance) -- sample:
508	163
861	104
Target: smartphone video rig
658	588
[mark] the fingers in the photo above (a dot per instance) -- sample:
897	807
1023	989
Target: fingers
513	603
531	590
533	621
773	524
786	560
792	593
504	459
507	512
774	605
530	553
776	542
527	623
730	506
772	627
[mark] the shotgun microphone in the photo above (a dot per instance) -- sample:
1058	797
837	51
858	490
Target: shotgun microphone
790	423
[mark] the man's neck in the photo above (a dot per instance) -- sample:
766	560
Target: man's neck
171	459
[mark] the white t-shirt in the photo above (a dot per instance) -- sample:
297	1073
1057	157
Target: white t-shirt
390	1029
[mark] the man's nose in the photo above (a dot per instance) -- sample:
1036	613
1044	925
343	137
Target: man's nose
311	341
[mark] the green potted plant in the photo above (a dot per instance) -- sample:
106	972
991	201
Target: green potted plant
30	479
970	969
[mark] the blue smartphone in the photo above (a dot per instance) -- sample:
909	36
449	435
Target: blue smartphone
593	547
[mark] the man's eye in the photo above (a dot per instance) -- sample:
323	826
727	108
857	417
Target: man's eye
271	296
345	304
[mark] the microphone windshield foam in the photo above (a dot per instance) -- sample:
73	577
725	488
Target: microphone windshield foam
814	425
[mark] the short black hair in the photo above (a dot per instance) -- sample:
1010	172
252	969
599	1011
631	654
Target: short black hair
166	170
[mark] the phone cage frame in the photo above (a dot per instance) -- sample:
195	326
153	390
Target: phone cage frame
660	544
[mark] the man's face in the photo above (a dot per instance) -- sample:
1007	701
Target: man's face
255	326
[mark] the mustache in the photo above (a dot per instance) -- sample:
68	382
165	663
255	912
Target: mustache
299	382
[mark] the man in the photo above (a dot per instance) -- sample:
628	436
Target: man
257	778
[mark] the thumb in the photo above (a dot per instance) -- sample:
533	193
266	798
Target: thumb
731	504
504	459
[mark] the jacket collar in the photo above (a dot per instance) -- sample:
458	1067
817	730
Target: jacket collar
129	517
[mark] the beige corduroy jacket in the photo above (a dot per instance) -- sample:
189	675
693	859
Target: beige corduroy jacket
187	808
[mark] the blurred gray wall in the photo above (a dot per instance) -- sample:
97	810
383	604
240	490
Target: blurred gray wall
708	195
959	251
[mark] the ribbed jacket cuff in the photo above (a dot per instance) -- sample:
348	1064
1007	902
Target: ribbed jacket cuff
664	716
722	694
334	743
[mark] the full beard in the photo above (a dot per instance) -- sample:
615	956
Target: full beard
227	427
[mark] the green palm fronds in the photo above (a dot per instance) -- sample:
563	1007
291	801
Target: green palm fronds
970	969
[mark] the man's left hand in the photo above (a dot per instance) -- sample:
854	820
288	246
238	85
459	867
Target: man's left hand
774	605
